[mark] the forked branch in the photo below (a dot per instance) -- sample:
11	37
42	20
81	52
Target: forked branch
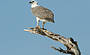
71	45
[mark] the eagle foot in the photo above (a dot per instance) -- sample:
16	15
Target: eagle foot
44	29
37	27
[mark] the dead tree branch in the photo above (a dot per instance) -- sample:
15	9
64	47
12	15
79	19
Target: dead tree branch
71	45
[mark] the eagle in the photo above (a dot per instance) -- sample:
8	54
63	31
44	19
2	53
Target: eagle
41	13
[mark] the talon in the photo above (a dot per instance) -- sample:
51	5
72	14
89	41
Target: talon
44	29
37	27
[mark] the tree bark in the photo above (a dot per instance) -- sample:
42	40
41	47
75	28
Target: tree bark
69	43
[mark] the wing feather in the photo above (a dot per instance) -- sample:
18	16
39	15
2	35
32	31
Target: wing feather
42	12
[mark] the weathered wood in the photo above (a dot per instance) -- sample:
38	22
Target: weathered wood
71	45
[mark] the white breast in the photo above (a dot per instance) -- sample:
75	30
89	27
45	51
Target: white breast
43	20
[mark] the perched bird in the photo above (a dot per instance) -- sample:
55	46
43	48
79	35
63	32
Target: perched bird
41	13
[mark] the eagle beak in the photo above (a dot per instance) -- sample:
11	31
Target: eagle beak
30	2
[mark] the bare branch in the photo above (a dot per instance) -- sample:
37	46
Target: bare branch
72	46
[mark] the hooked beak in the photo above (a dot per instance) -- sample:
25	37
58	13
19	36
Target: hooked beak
30	2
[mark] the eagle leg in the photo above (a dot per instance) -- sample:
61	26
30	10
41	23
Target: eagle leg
43	25
38	22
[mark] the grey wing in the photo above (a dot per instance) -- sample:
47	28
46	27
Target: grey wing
42	12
